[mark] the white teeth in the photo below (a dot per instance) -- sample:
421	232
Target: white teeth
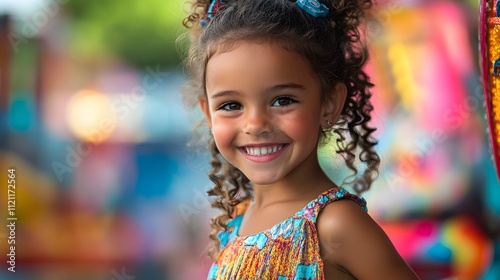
262	151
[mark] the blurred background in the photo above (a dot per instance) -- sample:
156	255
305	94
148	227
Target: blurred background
92	122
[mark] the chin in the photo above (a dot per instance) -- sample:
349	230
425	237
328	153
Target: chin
263	180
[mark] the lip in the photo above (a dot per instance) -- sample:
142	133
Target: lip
263	158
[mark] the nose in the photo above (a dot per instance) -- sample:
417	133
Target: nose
257	122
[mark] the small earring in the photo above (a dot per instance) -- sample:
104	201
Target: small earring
329	122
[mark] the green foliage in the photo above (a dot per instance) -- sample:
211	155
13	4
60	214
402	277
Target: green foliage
141	32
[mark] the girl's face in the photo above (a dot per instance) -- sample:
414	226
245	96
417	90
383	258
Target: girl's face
264	107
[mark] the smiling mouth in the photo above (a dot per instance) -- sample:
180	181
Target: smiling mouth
264	150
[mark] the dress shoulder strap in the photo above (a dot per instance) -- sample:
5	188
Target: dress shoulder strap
315	206
225	236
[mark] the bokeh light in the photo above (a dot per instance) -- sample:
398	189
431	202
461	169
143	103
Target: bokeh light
90	116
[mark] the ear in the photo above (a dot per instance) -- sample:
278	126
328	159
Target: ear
206	110
332	107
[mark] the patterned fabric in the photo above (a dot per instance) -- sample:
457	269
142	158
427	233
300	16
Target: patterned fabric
287	251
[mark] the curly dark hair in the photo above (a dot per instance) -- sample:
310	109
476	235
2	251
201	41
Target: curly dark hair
334	47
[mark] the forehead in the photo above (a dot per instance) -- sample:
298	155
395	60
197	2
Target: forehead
256	63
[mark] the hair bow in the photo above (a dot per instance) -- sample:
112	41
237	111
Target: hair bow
212	10
313	7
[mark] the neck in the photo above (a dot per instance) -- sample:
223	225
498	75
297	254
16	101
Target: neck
300	184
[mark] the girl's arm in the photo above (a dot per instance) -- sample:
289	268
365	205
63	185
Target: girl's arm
350	239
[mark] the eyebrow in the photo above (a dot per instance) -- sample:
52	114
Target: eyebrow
284	86
268	90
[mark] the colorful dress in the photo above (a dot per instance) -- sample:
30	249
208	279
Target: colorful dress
287	251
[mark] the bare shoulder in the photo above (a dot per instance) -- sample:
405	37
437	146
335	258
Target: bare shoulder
352	241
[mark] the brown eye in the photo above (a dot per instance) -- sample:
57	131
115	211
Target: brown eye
283	101
230	106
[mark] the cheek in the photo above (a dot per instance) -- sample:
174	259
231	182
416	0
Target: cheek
223	133
303	127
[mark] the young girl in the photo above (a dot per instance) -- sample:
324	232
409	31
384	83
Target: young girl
275	79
